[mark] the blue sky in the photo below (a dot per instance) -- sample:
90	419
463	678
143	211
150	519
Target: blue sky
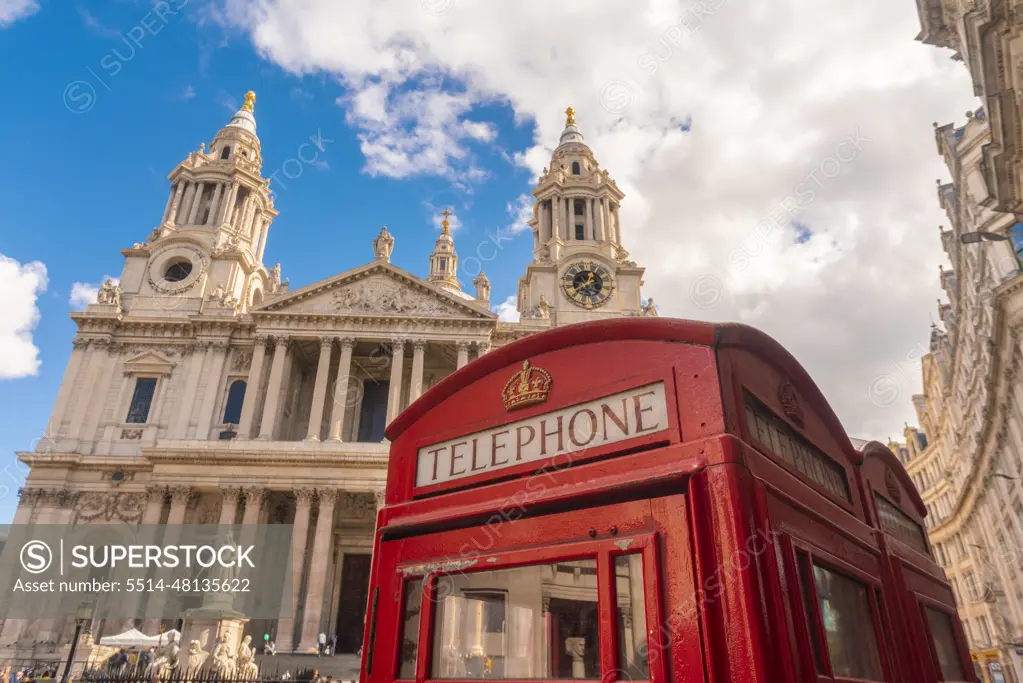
86	155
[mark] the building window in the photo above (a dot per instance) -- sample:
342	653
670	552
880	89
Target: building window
580	207
235	398
178	271
141	400
576	168
442	264
580	232
225	153
1016	234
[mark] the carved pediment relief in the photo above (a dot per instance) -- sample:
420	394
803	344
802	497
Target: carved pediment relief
379	292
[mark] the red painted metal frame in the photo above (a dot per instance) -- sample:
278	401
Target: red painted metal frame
722	522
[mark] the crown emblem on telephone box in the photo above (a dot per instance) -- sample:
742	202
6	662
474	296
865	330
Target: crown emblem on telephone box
527	387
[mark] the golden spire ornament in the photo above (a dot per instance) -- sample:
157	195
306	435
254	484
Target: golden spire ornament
570	113
250	100
446	224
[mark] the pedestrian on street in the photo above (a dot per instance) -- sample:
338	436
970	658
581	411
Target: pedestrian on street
333	645
321	644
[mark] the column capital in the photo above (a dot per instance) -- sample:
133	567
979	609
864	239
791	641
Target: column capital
327	341
254	494
262	339
232	492
398	345
483	346
156	493
282	341
419	344
79	343
328	496
305	496
378	497
180	494
462	344
348	342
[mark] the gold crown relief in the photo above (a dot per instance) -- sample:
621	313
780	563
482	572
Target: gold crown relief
527	387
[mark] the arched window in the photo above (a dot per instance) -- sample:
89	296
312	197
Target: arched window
257	297
225	153
235	398
576	168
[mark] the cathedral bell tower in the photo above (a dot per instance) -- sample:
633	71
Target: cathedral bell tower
207	252
444	260
580	269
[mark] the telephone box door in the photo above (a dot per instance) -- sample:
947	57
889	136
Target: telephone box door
588	603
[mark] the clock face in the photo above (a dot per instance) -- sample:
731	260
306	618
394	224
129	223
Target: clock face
587	284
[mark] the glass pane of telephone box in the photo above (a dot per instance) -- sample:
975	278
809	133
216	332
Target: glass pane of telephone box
410	630
537	621
633	658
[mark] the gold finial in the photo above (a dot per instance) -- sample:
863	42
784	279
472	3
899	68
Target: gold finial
250	99
570	113
446	224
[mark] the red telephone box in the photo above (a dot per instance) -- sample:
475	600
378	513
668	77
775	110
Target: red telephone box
646	499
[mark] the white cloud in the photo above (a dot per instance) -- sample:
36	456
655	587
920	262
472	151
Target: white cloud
507	311
706	129
84	293
21	285
12	10
521	211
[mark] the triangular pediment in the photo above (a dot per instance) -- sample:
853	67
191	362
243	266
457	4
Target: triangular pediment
376	289
149	362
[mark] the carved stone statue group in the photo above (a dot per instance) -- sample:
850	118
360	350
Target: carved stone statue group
222	663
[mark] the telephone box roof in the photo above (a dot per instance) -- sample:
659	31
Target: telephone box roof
650	329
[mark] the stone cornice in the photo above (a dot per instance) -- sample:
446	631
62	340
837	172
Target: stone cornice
305	454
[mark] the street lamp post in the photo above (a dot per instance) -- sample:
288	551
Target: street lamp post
82	617
982	236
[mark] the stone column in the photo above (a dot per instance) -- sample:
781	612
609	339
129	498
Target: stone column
320	388
254	497
340	393
93	362
101	393
273	391
602	219
186	204
262	240
482	348
179	430
167	208
555	221
172	219
318	564
463	353
418	352
588	231
616	223
211	394
229	506
394	389
196	200
252	388
255	220
180	496
215	204
154	506
225	213
66	387
157	605
286	635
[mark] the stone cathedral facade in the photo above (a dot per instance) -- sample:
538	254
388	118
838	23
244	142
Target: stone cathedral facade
203	389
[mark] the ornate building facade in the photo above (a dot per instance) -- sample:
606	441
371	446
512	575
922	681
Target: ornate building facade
202	389
966	457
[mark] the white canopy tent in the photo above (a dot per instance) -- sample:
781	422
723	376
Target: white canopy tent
136	638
